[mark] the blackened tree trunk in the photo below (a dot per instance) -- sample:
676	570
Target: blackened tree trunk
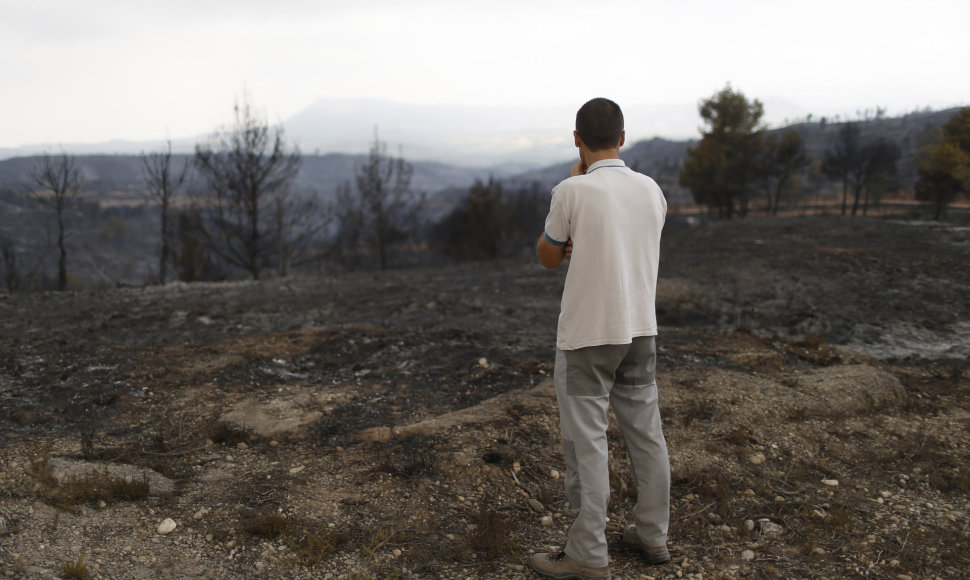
59	181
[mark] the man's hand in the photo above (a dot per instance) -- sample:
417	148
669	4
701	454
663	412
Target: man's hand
569	249
579	168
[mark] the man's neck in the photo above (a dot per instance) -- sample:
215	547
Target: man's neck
591	157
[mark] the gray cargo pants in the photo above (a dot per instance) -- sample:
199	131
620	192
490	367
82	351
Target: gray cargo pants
588	381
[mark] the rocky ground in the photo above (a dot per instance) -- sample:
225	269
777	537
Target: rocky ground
814	387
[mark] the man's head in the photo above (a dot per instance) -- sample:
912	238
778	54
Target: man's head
599	124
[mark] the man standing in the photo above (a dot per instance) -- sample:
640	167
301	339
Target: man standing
607	220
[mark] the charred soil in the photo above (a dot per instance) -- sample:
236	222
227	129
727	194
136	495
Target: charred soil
814	387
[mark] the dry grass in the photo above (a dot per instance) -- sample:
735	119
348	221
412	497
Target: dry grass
491	534
226	434
315	547
412	457
266	525
76	569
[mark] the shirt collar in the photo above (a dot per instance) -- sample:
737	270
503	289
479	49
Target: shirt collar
605	163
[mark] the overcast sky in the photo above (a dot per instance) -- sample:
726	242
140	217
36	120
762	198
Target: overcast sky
74	71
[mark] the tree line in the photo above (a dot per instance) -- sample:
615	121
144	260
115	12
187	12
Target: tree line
234	208
738	161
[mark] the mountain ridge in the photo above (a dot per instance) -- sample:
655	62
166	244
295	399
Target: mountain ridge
471	135
111	175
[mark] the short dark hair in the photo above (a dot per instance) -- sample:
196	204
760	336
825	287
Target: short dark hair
600	124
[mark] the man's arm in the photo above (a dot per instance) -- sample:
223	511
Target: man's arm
550	254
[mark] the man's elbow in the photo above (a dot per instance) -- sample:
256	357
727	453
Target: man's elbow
549	262
550	255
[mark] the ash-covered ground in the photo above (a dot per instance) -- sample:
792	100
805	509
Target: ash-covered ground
814	387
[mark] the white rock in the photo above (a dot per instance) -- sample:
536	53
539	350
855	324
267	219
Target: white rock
747	555
830	482
167	526
297	469
65	470
201	513
757	458
546	521
749	525
771	530
483	362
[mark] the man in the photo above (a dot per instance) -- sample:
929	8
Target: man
607	220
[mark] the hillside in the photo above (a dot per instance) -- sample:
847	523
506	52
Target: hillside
907	131
658	158
114	232
814	390
120	175
114	178
661	158
114	229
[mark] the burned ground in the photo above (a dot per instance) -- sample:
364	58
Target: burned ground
814	388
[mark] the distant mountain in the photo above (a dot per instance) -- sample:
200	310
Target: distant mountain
662	158
907	131
454	134
119	176
108	148
112	178
658	158
477	136
114	231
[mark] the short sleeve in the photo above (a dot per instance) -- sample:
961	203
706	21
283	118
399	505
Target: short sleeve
557	222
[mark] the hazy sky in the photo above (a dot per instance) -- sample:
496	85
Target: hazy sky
76	71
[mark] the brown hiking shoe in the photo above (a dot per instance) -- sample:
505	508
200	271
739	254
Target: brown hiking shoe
652	555
559	566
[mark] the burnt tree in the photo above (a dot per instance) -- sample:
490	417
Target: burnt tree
244	166
59	181
164	181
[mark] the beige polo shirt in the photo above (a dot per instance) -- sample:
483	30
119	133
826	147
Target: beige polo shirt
614	216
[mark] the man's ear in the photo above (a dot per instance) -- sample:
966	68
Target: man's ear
576	139
622	139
